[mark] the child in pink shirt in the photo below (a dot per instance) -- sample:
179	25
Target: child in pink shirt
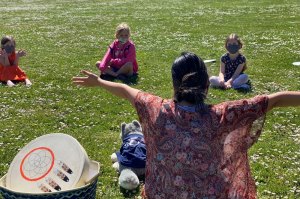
120	58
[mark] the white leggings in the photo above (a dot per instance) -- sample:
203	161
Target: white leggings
240	80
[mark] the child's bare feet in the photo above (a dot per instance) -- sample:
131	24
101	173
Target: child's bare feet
28	82
10	83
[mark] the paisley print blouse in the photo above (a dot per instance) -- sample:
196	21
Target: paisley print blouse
200	154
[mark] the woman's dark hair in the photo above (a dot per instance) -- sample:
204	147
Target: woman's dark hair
190	78
6	39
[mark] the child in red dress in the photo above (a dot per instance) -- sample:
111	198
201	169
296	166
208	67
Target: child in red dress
10	71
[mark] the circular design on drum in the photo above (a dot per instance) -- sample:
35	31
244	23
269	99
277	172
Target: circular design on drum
37	164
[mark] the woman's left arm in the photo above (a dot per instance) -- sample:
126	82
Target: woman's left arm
283	99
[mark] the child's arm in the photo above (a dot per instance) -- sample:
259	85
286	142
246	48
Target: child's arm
118	89
221	74
282	99
19	54
236	73
130	57
4	58
105	62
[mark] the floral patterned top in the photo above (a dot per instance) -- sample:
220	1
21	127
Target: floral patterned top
200	154
232	65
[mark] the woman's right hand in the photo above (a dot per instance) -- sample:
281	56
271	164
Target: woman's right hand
90	80
121	90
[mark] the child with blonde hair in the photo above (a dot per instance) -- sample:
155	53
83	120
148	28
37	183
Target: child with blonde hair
120	58
10	71
233	65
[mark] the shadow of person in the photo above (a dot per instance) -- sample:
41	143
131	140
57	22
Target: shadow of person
131	80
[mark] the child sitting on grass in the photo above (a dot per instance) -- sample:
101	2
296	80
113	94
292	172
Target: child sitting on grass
120	58
10	71
233	64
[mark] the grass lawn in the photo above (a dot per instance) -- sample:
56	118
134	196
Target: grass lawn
62	37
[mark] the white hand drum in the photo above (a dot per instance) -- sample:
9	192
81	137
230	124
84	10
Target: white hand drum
50	163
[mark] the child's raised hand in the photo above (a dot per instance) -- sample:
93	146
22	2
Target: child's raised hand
89	81
21	53
3	53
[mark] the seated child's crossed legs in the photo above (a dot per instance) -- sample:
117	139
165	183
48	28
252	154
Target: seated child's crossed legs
240	80
215	81
126	69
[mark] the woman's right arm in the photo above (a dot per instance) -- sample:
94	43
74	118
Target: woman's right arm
120	90
283	99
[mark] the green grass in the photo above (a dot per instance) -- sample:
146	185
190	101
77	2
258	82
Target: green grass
63	37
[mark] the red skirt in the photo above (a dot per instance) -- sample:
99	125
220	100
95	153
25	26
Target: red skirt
12	73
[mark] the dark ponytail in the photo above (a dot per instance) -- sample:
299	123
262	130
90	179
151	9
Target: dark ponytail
190	79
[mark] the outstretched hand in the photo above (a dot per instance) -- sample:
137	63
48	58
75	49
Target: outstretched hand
21	53
89	81
120	90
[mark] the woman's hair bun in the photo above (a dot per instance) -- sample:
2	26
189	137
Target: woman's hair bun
189	90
